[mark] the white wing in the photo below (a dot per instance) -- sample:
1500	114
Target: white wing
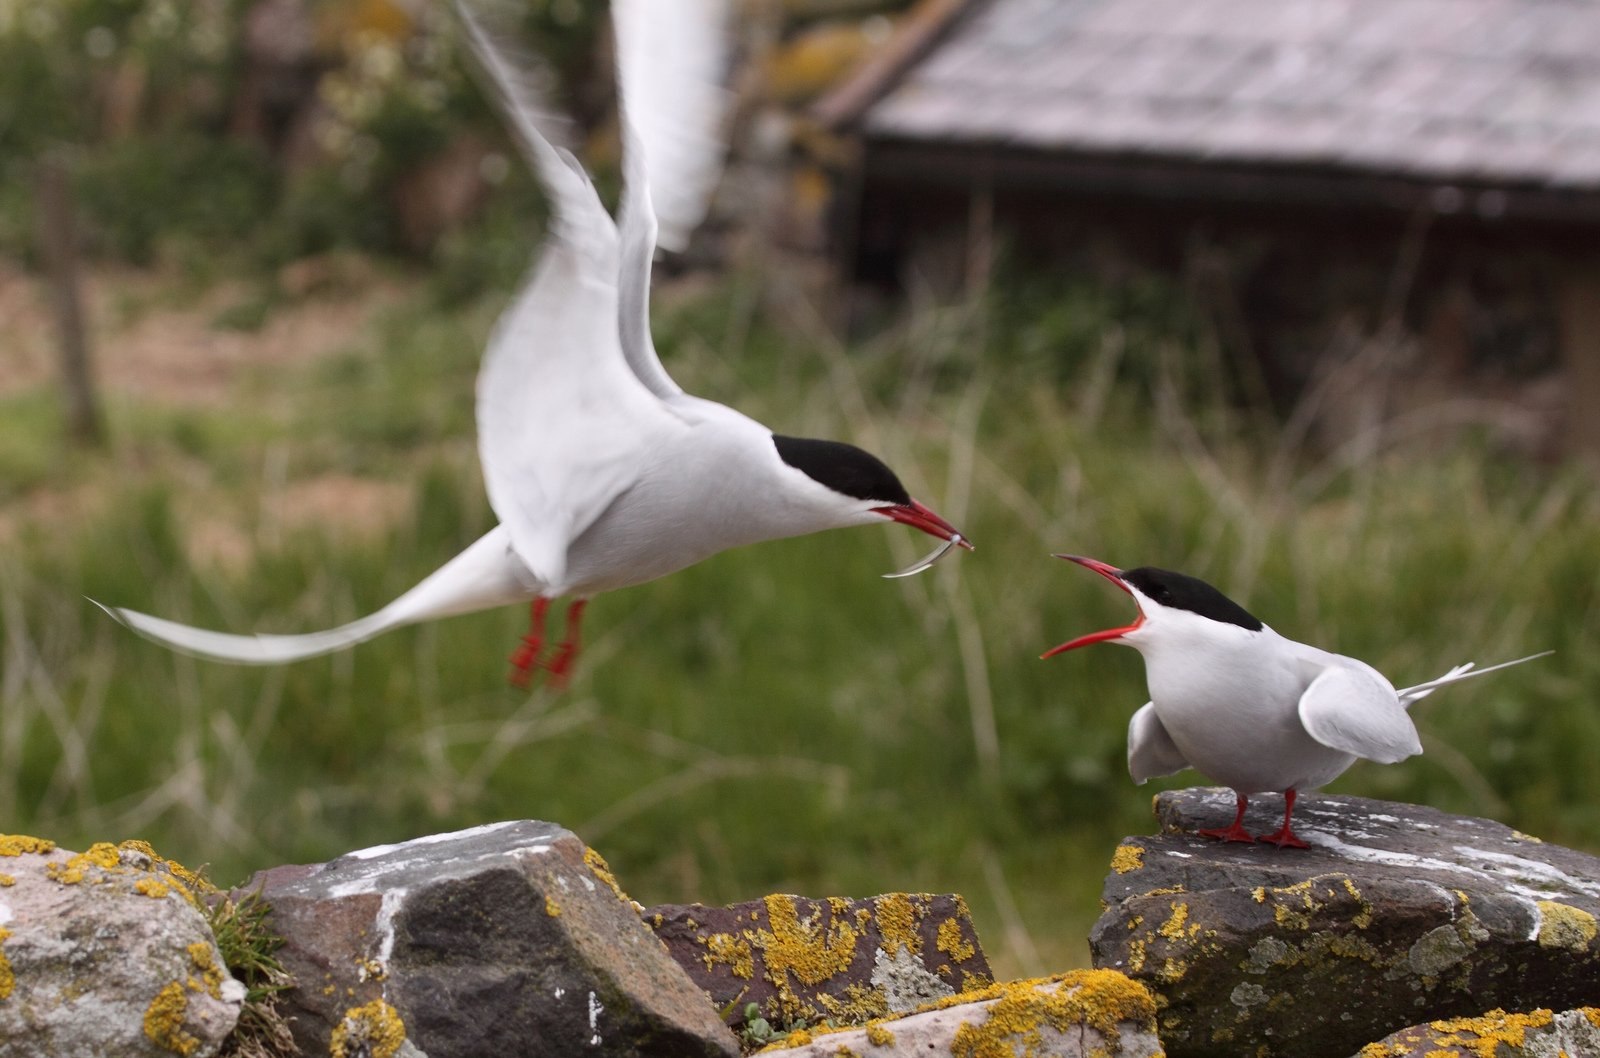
1460	672
1355	710
670	59
1151	751
564	426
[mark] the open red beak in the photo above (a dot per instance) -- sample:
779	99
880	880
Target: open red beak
917	516
1114	575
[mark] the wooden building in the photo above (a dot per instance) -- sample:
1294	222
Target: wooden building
1431	164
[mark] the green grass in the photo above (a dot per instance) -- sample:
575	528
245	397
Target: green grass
777	718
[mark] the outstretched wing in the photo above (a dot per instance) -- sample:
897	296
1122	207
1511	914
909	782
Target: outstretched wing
564	425
1352	708
1151	751
1460	672
670	59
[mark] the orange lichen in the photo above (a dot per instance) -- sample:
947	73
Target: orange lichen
1127	858
374	1030
897	923
733	951
6	881
163	1021
950	941
1482	1036
19	844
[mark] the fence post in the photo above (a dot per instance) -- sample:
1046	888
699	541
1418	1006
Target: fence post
58	239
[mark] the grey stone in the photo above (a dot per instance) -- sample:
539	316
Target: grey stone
1397	914
509	939
1536	1034
1080	1014
106	953
802	960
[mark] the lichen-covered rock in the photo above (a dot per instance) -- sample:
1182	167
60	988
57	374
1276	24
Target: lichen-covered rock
1537	1034
510	940
1396	914
1079	1014
803	960
106	953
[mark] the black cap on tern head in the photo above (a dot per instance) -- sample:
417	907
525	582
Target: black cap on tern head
843	468
1179	591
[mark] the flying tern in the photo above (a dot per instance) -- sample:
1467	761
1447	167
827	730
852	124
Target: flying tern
1245	706
602	471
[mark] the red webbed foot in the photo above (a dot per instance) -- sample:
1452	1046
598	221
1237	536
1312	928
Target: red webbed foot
1284	837
1234	831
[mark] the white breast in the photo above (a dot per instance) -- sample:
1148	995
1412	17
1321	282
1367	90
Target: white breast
1230	701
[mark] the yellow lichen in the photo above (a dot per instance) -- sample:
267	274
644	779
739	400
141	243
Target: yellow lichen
374	1030
210	982
897	923
950	941
602	870
804	949
1260	894
154	888
1127	858
879	1036
1565	926
1135	922
8	980
1135	956
101	854
1520	836
163	1021
1172	928
553	909
19	844
6	881
1362	918
1482	1036
733	951
1099	999
1593	1014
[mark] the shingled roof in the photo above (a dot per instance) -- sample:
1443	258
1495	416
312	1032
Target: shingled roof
1485	91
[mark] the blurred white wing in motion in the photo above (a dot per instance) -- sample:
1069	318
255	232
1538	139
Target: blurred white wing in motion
672	57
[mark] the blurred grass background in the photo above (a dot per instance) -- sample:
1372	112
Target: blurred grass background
778	718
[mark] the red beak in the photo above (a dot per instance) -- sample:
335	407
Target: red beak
1114	575
917	516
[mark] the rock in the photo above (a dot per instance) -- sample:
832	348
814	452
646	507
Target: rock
106	953
510	939
1078	1014
1538	1034
801	960
1396	914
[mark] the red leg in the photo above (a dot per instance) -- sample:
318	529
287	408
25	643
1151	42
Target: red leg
1283	837
523	658
1234	832
561	665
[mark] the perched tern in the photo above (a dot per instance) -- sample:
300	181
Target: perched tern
1246	707
603	473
